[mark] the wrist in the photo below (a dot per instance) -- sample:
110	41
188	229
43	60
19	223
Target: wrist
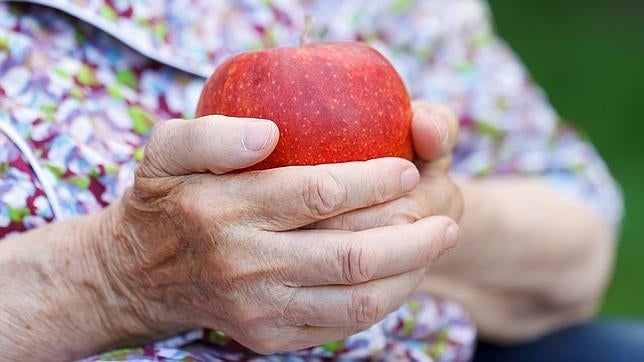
111	263
93	263
75	260
56	299
133	304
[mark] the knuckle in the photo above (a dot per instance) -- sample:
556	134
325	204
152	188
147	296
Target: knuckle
404	218
410	210
155	151
291	312
184	207
366	306
143	187
357	263
379	189
161	132
343	222
193	135
324	194
382	192
187	205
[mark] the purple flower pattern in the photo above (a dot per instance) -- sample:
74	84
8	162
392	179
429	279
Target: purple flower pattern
82	82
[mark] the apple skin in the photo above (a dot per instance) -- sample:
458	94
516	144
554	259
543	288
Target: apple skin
332	102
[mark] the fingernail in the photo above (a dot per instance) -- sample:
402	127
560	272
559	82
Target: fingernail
442	129
409	179
256	135
451	236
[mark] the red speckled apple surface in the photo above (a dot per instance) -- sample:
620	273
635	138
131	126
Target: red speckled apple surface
333	102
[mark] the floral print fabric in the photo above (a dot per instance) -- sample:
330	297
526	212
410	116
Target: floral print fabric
83	81
424	329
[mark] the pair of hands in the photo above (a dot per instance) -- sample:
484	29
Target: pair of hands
280	259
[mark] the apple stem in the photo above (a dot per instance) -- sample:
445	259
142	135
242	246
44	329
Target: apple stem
308	20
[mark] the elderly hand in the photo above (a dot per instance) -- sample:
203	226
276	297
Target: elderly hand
194	247
435	132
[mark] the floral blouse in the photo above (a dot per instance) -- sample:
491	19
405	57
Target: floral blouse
82	82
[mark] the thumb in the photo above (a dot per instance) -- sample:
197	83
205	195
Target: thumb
434	129
216	144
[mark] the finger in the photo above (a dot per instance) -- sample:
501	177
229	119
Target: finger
434	130
435	195
406	210
216	144
328	257
358	305
292	197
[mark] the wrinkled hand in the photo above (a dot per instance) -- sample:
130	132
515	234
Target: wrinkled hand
435	132
196	247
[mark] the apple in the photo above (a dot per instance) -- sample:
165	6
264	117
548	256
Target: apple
332	102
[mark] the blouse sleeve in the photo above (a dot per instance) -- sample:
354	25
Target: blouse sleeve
508	125
23	204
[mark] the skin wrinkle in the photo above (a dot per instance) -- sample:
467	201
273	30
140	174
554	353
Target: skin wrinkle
125	292
543	302
288	312
166	164
156	163
78	271
324	194
17	340
129	268
240	267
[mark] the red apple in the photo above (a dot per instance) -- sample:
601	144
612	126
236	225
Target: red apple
333	102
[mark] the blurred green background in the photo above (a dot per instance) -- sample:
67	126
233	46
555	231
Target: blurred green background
589	57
